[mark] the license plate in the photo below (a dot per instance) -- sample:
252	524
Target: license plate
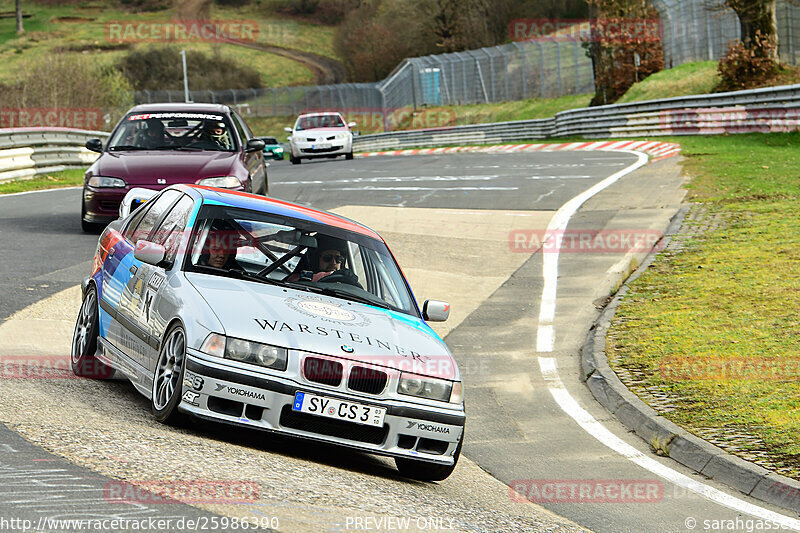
339	409
320	145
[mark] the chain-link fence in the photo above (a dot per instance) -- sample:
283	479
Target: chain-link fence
541	68
700	30
692	30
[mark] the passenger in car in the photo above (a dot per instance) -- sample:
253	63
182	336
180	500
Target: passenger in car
221	251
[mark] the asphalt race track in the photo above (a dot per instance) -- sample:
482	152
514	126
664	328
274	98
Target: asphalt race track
461	227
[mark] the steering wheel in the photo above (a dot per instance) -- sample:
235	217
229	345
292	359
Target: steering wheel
344	275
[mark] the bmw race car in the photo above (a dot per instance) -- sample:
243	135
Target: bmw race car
236	308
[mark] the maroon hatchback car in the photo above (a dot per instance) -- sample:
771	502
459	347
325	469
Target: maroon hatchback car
157	145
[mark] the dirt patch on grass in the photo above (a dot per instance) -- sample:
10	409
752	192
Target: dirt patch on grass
71	20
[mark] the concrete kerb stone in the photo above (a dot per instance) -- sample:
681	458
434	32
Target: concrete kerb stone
778	490
663	435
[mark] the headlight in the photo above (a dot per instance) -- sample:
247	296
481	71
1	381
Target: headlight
425	387
103	181
256	353
279	150
341	135
224	182
214	345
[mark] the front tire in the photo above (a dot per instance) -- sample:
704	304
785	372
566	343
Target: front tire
424	471
294	160
348	155
84	340
88	227
168	378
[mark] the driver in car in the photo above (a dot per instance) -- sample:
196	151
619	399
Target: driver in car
328	257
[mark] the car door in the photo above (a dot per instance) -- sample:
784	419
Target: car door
253	161
159	300
133	337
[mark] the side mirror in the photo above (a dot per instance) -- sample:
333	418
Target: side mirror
149	252
435	310
95	145
351	124
254	145
288	129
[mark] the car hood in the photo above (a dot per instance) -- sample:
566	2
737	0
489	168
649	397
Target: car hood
321	131
147	166
320	324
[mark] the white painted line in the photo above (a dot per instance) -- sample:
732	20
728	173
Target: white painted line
558	223
40	190
570	406
373	188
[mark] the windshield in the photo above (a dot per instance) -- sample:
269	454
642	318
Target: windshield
303	255
173	131
309	122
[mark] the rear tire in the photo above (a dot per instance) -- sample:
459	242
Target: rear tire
84	340
424	471
168	378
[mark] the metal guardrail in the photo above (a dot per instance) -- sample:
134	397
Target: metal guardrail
757	110
28	152
25	153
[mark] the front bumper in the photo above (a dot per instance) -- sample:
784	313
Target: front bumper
228	394
102	204
328	148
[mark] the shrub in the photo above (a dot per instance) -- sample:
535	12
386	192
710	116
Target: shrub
744	67
68	80
160	68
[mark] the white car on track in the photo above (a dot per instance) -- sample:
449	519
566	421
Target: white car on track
320	135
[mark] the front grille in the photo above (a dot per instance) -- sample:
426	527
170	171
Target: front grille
332	428
321	150
369	380
323	371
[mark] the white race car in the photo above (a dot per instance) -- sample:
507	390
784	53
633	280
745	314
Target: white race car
320	135
236	308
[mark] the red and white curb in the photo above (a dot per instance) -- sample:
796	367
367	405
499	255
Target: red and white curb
656	150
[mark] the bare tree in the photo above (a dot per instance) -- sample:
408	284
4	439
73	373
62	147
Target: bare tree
757	17
18	6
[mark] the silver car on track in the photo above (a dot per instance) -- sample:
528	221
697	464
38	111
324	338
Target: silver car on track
246	310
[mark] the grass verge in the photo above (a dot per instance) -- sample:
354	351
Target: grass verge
710	330
55	180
